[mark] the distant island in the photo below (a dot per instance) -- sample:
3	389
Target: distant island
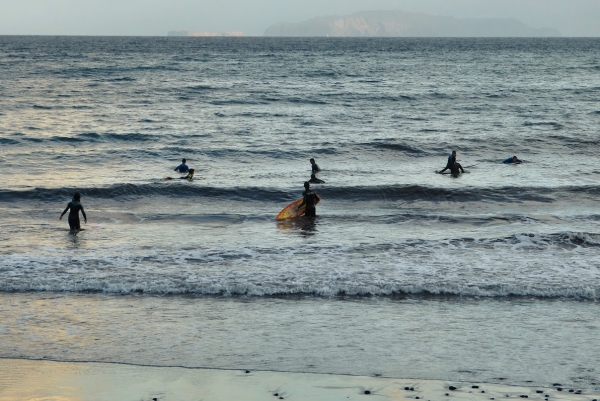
405	24
204	34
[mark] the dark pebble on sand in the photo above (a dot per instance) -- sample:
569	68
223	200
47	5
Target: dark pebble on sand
539	391
452	388
276	394
447	394
571	391
412	389
557	384
155	399
247	371
524	396
406	388
281	398
482	391
416	398
559	388
578	392
367	392
474	386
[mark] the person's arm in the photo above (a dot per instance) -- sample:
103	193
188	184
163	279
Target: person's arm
84	216
303	202
177	168
65	211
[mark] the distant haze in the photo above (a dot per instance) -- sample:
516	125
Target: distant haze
393	23
253	17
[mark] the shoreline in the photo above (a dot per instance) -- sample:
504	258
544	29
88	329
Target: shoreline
65	381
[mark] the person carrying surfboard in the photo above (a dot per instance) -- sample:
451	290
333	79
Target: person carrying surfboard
310	199
452	164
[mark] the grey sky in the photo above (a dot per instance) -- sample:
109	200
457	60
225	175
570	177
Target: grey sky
156	17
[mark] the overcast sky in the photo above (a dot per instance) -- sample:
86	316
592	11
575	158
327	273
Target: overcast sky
157	17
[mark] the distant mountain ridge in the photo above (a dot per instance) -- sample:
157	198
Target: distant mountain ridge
404	24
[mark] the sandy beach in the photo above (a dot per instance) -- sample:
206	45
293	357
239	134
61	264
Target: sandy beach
71	381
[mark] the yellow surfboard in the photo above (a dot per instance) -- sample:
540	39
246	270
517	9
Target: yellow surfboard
292	210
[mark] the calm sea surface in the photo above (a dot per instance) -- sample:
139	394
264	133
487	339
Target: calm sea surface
494	275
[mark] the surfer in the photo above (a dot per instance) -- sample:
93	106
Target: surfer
75	206
513	160
315	180
314	167
182	168
188	177
310	200
453	165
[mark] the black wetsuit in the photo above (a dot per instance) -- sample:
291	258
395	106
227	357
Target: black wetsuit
310	199
453	165
74	214
315	180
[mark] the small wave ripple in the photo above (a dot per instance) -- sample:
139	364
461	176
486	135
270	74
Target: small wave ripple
354	193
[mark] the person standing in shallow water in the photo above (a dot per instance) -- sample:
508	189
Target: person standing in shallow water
310	200
75	206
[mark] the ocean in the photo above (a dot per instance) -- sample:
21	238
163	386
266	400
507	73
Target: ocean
492	276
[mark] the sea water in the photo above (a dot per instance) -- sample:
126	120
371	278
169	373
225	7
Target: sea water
493	275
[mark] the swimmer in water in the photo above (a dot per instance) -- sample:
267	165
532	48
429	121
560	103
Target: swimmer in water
513	160
188	177
75	206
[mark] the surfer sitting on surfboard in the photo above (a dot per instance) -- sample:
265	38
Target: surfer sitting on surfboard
310	200
452	164
314	167
315	180
188	177
182	168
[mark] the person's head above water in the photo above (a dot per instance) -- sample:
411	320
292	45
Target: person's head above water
183	161
192	171
77	197
454	153
307	185
312	160
515	159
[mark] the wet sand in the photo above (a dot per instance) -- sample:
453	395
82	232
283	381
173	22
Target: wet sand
70	381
